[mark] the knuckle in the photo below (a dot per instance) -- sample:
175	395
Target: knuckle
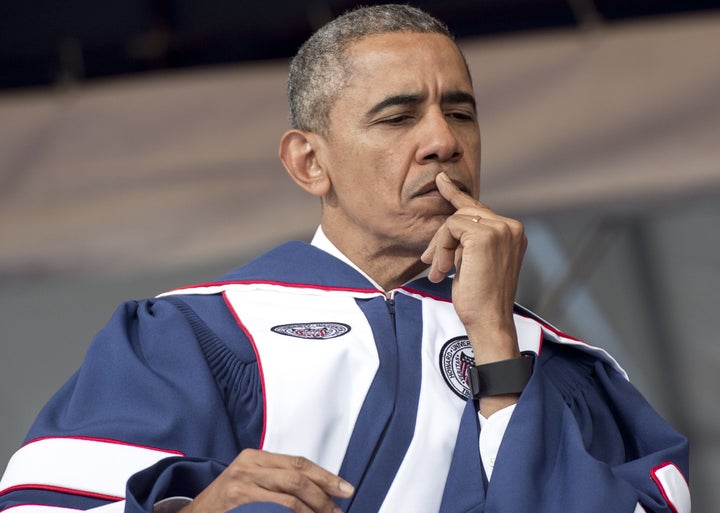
247	454
238	473
516	227
504	230
299	462
512	230
295	481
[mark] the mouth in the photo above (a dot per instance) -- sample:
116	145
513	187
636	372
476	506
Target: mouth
430	189
427	190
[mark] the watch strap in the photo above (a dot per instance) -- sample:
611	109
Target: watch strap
500	378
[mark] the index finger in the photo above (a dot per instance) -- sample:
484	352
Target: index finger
330	483
455	196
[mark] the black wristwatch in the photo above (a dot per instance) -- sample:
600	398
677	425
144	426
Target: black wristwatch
500	378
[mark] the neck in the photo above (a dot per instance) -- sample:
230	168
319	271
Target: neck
391	273
388	264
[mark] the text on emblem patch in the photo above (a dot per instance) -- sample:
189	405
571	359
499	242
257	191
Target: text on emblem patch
312	330
456	356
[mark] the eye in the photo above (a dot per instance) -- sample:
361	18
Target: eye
461	115
399	119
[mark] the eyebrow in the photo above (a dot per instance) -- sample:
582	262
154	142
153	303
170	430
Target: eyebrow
451	97
392	101
455	97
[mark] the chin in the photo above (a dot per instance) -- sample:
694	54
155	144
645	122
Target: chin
424	232
438	218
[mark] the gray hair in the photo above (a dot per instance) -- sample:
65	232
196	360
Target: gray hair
320	71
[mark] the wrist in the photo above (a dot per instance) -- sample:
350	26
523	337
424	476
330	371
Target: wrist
500	378
491	346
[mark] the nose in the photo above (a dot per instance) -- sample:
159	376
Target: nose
438	141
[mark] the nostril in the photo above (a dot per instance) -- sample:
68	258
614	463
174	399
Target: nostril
452	157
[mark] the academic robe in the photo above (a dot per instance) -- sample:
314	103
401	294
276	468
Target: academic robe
297	353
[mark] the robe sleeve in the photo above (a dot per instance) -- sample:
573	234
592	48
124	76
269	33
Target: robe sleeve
157	382
182	476
580	439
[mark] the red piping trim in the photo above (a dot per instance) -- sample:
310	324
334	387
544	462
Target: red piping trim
103	440
259	364
555	330
540	343
60	489
654	476
37	504
278	283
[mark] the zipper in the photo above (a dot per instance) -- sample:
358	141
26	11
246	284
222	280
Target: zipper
390	302
391	309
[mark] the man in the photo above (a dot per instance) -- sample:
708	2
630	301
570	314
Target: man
357	373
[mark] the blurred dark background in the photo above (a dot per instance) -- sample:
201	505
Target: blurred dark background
48	41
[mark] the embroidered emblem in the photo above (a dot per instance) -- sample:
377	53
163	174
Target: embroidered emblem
455	357
313	330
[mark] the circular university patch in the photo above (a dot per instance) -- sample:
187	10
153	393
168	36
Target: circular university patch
456	356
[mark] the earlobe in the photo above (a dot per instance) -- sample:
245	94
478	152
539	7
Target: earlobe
299	154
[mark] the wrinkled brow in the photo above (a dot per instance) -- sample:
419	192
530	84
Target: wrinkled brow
395	100
458	97
450	97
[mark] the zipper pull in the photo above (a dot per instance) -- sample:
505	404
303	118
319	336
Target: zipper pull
391	306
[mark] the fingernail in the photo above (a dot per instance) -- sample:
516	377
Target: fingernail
444	177
346	487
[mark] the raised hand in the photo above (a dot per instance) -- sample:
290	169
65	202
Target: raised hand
486	250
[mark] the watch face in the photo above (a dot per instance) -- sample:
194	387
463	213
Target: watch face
456	357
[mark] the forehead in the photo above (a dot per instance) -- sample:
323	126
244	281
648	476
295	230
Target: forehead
404	63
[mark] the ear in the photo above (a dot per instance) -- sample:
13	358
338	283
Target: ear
299	154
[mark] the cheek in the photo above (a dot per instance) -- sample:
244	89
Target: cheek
373	169
382	170
472	159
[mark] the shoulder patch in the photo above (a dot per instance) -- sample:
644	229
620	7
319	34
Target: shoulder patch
312	330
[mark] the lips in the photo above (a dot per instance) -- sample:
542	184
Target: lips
427	189
431	187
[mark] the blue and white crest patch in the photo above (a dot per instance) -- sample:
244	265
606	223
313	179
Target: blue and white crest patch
313	330
456	356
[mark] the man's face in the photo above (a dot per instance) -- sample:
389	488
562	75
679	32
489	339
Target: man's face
407	114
